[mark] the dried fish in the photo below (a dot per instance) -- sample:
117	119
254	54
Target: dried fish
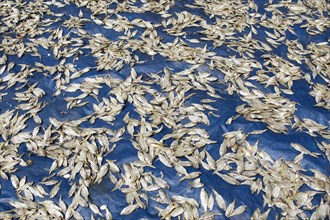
169	113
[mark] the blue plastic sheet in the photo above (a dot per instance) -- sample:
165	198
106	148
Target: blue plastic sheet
277	145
